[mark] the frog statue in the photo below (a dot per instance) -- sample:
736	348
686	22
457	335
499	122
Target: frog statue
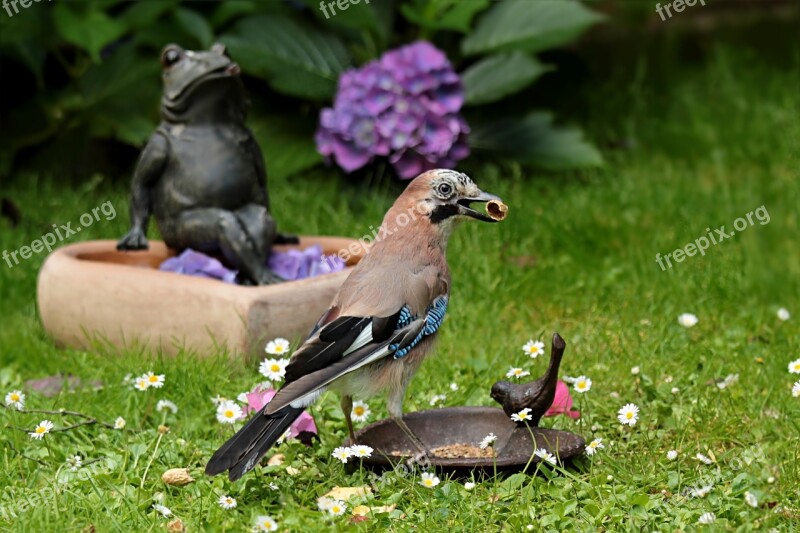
201	173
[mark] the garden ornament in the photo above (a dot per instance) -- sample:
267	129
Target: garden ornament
201	174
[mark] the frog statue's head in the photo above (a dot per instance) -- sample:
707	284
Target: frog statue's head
201	85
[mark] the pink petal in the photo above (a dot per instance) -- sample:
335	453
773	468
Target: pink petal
304	423
562	403
258	398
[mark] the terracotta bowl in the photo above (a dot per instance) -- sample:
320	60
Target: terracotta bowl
467	425
89	292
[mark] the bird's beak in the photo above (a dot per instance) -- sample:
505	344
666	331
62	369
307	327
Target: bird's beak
484	197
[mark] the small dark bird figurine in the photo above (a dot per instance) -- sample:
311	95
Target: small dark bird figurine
537	395
381	324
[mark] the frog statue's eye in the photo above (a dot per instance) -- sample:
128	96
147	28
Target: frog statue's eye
444	190
171	55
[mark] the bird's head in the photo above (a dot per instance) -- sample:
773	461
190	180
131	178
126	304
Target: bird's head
447	195
500	391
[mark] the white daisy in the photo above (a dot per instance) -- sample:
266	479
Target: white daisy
277	346
74	462
343	453
154	380
517	373
119	423
488	440
454	387
701	492
687	320
141	383
429	480
750	499
228	412
226	502
522	416
796	389
15	399
675	390
438	399
360	412
794	367
545	456
265	523
704	459
273	369
583	384
592	447
324	503
166	404
672	455
41	430
533	348
783	314
161	509
628	414
361	451
707	518
469	485
635	370
337	507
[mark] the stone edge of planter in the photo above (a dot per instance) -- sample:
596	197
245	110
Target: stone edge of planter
90	295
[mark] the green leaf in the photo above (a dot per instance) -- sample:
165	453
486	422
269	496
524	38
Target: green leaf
227	11
287	143
195	25
497	76
534	139
91	30
454	15
143	14
296	59
528	26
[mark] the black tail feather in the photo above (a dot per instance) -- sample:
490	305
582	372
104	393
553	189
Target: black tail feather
242	451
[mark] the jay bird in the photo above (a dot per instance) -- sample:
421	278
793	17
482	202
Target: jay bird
382	322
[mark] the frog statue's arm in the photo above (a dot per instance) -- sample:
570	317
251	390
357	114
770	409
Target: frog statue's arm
148	170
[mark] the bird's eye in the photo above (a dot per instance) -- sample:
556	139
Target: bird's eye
444	189
171	56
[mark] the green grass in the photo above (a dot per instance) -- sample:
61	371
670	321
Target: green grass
576	255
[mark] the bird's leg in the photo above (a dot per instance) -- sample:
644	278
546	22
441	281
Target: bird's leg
423	451
347	407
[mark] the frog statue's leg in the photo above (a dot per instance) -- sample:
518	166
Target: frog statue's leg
243	238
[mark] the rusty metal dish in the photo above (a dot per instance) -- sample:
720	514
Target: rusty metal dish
466	425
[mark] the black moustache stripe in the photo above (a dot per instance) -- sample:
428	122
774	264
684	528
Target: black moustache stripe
443	212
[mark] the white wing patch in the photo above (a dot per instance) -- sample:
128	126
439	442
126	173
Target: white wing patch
364	338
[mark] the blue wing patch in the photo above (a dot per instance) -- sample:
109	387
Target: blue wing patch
433	320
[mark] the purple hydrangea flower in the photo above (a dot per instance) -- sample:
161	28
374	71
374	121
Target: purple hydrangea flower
290	265
403	106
